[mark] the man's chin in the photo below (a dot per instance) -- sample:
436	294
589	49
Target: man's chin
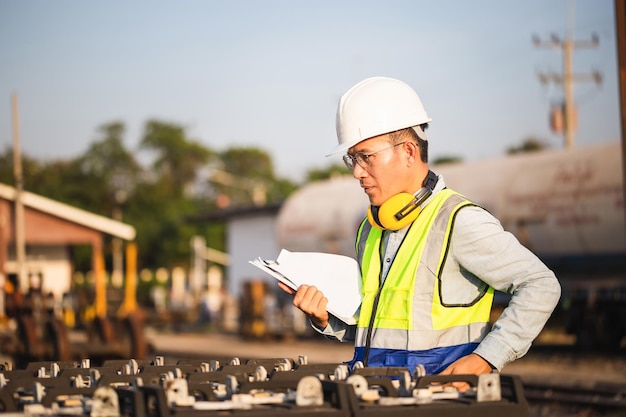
373	200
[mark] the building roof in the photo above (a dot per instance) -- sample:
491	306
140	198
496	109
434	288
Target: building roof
233	213
54	208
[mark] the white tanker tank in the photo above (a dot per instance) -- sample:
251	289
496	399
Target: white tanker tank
559	203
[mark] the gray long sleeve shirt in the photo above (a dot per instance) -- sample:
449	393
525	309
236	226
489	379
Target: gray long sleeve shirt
481	246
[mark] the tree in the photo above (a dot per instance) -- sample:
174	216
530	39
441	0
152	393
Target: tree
178	158
530	144
333	170
245	176
108	160
29	166
158	199
447	160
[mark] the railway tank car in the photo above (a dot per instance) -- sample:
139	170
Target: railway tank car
567	206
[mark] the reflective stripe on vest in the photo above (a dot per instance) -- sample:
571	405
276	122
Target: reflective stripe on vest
411	316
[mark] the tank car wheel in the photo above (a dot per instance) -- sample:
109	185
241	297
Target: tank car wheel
29	345
134	338
58	342
103	330
609	329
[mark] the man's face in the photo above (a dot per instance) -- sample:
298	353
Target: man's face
382	169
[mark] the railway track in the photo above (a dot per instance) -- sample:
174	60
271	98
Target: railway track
564	399
556	396
257	387
558	380
198	385
549	381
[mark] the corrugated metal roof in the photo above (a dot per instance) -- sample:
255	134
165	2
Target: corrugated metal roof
70	213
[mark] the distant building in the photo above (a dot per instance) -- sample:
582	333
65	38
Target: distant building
250	233
50	229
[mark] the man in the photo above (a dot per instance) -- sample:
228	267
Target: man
430	259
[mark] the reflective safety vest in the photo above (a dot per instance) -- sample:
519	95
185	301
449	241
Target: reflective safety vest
406	319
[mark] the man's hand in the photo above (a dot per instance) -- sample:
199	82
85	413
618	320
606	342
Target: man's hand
311	301
470	364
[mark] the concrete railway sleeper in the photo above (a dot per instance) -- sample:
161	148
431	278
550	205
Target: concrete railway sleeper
262	387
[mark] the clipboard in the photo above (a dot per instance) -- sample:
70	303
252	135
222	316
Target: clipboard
337	276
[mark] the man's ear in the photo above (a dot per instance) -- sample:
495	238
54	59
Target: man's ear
413	151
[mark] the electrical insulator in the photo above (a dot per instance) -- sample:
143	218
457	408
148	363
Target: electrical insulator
557	119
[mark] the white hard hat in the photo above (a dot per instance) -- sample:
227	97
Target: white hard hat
376	106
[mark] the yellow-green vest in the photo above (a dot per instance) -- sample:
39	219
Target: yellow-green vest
412	324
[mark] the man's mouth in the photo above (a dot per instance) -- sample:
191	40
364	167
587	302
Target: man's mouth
366	188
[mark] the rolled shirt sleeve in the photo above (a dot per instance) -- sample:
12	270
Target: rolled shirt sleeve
337	330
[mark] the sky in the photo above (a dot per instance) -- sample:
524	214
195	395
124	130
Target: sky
269	73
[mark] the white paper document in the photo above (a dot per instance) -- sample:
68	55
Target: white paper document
337	276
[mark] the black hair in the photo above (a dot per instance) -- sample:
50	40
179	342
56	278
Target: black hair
410	134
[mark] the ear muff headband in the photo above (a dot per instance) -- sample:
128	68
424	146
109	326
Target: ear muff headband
401	209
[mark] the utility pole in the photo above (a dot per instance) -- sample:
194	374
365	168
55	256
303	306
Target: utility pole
117	277
620	34
566	115
20	241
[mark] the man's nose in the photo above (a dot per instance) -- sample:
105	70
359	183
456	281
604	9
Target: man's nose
358	171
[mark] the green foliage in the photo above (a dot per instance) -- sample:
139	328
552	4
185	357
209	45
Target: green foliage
246	176
178	158
529	144
447	160
281	189
328	172
109	159
248	163
159	199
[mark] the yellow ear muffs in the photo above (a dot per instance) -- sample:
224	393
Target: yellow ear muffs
372	217
395	213
401	209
